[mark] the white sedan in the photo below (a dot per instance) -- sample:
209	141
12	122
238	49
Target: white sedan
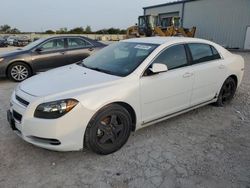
122	88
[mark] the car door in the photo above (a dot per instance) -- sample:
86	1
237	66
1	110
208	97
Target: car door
49	54
168	92
78	49
208	72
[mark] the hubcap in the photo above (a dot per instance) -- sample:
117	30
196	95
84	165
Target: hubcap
109	130
19	72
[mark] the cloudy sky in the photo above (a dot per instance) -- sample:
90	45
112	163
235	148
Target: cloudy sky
40	15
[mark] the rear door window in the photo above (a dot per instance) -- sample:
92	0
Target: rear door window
203	53
77	43
216	54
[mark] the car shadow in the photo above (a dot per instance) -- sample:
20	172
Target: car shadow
4	80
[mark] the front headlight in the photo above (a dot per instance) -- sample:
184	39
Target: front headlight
1	59
55	109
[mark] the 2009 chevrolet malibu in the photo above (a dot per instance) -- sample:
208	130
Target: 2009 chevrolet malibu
122	88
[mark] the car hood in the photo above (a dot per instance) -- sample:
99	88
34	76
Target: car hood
64	80
12	53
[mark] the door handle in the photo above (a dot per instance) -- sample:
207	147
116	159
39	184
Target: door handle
187	75
221	66
62	53
91	49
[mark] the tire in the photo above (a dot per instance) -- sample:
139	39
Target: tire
148	32
227	92
18	72
108	130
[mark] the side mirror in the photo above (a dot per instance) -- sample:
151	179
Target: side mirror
158	68
39	49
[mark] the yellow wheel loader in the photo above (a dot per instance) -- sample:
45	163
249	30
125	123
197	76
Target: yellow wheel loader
149	26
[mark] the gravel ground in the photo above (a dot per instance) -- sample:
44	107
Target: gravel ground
207	147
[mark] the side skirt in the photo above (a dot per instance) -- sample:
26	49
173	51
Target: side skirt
178	113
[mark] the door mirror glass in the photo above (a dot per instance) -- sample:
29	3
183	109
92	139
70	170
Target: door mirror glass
158	68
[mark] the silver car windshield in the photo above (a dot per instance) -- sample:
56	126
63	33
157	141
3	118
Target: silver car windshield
119	59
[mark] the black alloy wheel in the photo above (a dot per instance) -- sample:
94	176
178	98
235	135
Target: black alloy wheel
227	92
109	130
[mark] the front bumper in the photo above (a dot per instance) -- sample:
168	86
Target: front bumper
11	120
62	134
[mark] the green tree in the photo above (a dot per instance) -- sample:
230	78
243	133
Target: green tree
102	31
14	31
77	30
63	30
49	32
113	31
88	29
5	28
123	31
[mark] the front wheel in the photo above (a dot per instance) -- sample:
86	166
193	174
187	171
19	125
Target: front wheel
19	71
227	92
109	130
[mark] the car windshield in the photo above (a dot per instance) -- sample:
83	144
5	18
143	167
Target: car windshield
33	44
119	59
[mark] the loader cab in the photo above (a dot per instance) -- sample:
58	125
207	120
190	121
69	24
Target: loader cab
147	24
176	22
170	22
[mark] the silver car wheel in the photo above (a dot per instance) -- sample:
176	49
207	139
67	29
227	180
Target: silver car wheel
19	72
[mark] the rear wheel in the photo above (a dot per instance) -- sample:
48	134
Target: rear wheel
19	71
109	130
227	92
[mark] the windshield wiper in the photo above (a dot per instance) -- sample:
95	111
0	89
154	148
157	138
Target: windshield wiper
98	69
82	64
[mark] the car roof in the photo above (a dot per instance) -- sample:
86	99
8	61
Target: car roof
175	40
163	40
